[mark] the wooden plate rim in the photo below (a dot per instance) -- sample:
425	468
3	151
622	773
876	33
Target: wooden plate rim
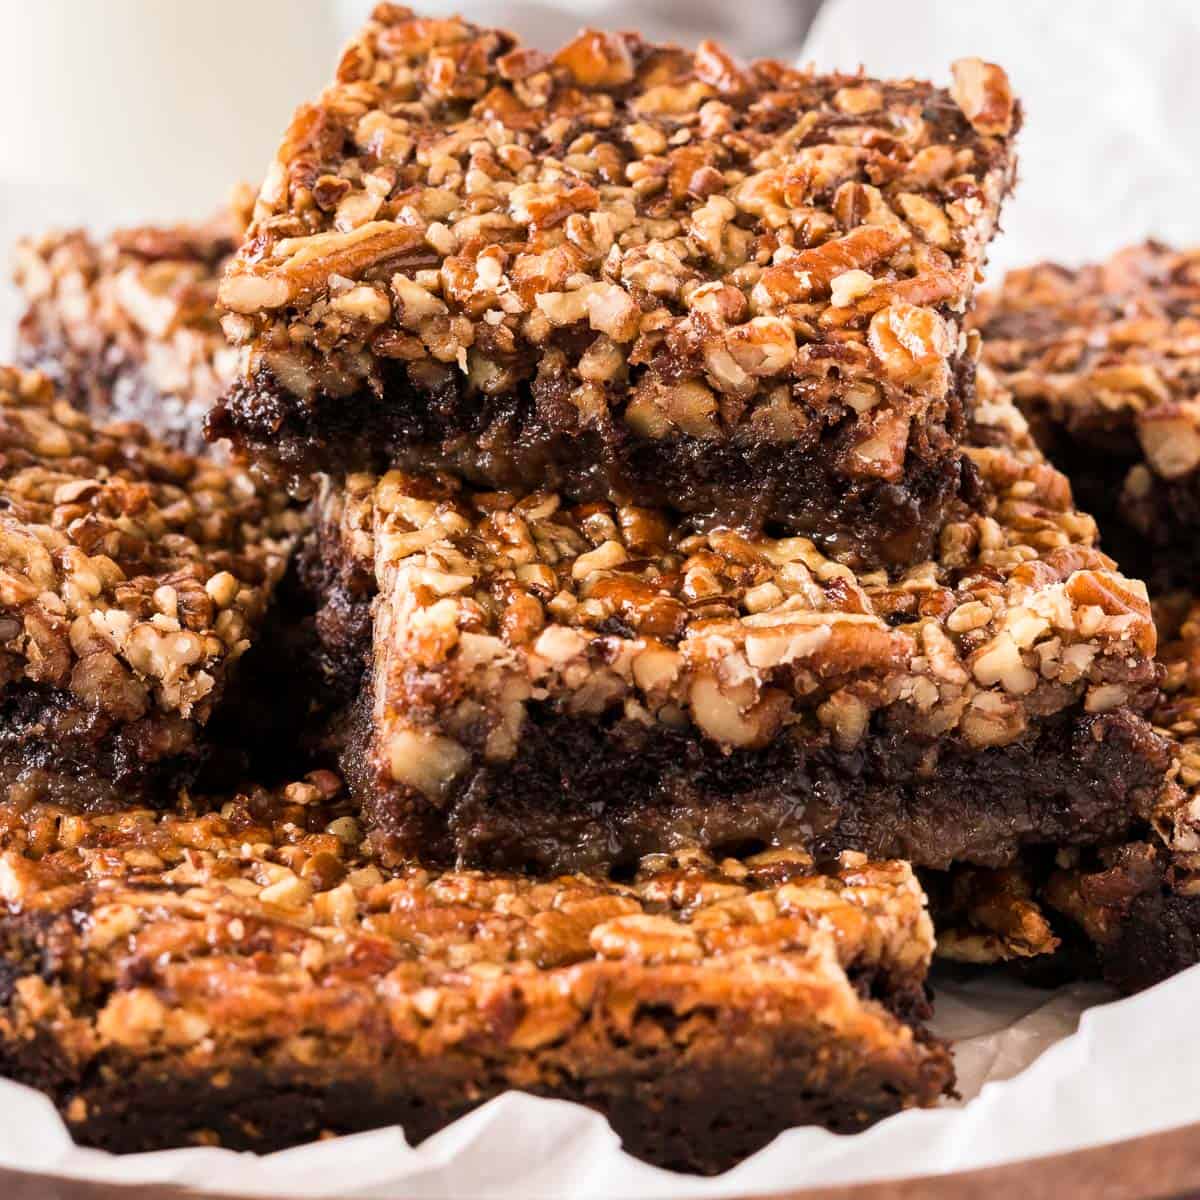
1158	1165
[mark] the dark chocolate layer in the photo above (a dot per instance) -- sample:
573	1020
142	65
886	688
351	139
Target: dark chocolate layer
585	793
705	1113
533	440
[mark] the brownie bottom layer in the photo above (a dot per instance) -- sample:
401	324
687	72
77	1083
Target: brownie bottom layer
702	1111
277	719
1164	521
338	592
54	750
521	443
582	794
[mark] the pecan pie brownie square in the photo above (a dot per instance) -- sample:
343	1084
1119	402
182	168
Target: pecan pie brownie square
244	978
627	273
1105	361
560	686
133	577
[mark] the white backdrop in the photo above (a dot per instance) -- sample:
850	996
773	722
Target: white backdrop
750	27
120	111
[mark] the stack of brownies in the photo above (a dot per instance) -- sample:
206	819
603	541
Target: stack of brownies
663	587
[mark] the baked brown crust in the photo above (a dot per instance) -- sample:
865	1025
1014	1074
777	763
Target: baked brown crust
627	272
1105	361
248	968
520	644
127	325
132	579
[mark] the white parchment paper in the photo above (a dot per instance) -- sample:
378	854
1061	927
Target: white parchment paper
1111	154
1041	1072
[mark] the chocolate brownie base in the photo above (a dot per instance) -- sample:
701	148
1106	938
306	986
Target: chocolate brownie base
1140	926
1158	937
1163	516
337	587
248	980
701	1115
53	749
582	793
526	442
283	714
698	1113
